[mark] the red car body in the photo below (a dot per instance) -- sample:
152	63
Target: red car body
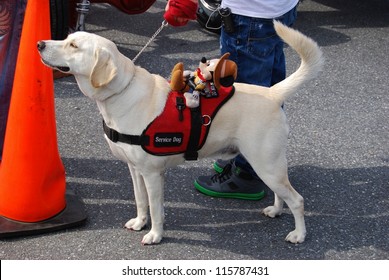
128	6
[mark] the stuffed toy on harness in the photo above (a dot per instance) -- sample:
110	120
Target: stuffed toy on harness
198	82
216	72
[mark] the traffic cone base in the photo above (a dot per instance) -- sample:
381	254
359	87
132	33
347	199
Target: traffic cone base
73	215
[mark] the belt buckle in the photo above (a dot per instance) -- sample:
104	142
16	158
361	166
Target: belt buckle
113	135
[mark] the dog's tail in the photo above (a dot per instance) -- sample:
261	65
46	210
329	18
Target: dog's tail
311	61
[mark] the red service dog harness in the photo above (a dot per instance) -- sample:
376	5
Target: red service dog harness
178	129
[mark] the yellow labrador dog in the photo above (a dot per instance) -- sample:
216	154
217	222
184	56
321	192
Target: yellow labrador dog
252	122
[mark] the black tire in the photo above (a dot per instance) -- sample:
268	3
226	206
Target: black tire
207	17
59	16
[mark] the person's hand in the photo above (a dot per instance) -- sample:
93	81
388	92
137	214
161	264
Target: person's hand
179	12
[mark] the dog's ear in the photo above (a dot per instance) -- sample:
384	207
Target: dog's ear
225	72
104	69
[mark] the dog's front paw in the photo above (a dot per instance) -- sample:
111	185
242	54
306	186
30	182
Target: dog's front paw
272	211
296	236
136	224
152	237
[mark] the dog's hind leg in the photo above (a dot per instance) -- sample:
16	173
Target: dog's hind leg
141	200
283	191
154	182
273	171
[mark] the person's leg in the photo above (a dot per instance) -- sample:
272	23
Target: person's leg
251	48
258	52
279	69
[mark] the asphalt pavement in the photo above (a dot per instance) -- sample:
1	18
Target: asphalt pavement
338	151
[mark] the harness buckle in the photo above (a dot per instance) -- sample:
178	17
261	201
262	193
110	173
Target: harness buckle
180	105
113	135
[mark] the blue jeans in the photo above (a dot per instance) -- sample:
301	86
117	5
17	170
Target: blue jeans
259	54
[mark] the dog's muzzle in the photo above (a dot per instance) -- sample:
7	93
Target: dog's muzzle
41	46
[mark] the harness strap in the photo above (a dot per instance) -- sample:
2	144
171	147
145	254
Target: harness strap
195	134
115	136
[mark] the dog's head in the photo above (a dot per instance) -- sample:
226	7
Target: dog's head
83	55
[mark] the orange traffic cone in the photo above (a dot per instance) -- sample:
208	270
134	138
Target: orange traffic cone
33	195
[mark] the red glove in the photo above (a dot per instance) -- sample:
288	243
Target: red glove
179	12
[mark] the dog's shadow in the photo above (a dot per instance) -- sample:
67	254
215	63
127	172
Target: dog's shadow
346	212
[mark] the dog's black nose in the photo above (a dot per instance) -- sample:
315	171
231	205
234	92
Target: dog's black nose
41	45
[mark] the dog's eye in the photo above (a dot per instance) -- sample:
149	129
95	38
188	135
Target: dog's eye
73	45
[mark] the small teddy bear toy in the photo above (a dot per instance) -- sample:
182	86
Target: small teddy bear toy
197	81
215	72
